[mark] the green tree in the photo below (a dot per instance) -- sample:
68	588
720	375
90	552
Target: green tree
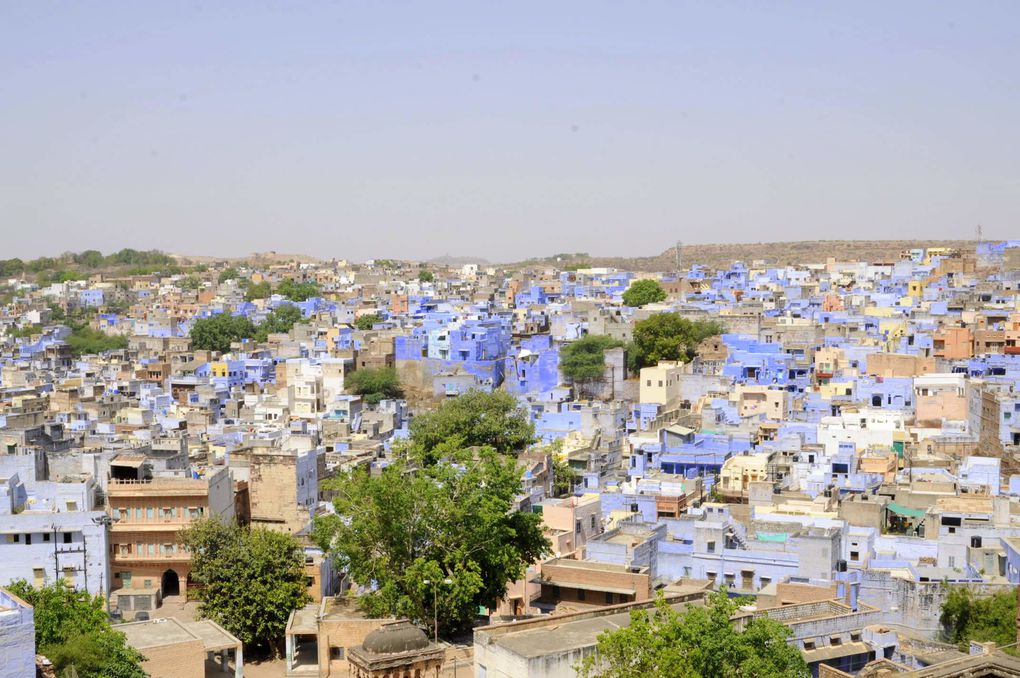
190	282
375	383
367	321
279	320
72	629
249	579
474	418
217	332
668	336
443	530
426	276
259	290
696	641
642	292
298	291
90	259
564	476
228	274
585	359
966	617
84	340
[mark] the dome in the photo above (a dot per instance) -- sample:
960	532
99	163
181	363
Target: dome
397	637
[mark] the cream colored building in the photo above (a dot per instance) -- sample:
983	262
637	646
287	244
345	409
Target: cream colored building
661	384
738	472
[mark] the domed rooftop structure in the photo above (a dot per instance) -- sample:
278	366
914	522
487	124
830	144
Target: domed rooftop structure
401	636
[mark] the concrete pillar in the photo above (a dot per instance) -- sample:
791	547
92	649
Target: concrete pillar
238	662
290	653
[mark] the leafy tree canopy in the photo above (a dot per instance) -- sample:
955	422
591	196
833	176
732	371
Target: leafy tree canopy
585	359
696	641
474	418
249	579
279	320
642	292
228	274
966	617
668	336
259	290
72	629
84	340
442	531
298	291
190	282
426	276
217	332
375	383
367	321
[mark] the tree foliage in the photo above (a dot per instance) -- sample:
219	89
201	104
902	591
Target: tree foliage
585	359
248	580
417	525
474	418
668	336
426	276
297	291
564	476
375	383
697	641
367	321
642	292
72	629
190	282
228	274
966	617
216	333
279	320
84	340
259	290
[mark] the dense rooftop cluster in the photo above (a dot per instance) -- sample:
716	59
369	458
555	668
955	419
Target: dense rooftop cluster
836	441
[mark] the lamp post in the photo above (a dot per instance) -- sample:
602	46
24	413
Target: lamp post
435	604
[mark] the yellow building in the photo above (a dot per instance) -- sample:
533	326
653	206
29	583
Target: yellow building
739	471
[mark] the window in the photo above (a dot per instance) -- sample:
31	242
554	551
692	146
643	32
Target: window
577	527
38	576
150	512
72	506
28	540
69	575
581	594
854	555
594	520
336	653
67	537
809	644
855	636
711	547
634	508
609	598
46	536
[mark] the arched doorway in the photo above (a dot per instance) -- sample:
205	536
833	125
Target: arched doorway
171	584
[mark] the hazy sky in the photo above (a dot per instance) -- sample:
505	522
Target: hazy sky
502	130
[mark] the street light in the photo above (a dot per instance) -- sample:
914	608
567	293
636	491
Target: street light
435	604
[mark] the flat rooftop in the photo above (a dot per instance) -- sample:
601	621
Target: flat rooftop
162	632
569	634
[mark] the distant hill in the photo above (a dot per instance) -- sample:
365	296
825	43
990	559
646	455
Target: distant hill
775	254
447	260
263	258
